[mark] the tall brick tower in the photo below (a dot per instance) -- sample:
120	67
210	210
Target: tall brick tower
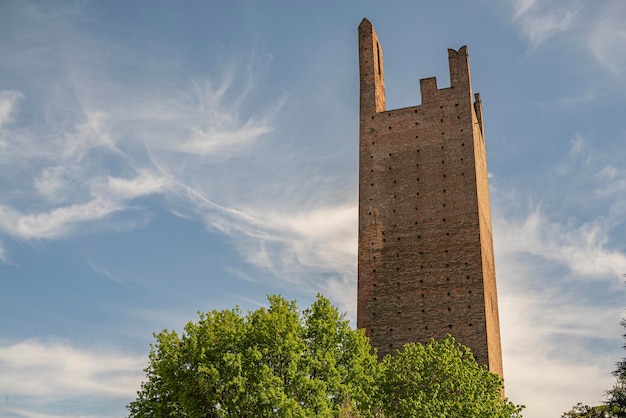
426	264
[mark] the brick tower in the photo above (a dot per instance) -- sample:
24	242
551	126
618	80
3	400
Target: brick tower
426	264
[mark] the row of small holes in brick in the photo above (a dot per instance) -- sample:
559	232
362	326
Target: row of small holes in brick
418	193
421	253
417	123
422	280
440	107
469	292
391	154
418	179
417	137
398	238
421	267
424	311
418	237
415	110
425	327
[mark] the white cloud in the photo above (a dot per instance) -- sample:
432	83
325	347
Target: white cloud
324	237
57	223
581	248
522	6
592	28
51	183
89	135
104	272
553	341
607	37
47	372
554	338
24	413
312	249
3	255
145	183
209	143
96	152
539	21
8	103
315	249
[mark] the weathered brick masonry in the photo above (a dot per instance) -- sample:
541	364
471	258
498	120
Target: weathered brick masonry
426	264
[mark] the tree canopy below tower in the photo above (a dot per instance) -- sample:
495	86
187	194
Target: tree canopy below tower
280	362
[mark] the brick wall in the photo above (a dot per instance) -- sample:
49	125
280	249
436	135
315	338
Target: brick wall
426	265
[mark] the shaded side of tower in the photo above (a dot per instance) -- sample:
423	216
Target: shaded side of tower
426	261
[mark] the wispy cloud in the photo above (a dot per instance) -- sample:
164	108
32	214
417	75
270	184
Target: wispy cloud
92	152
101	146
252	301
607	37
23	413
57	223
314	248
311	249
47	372
581	248
8	102
3	255
86	169
559	263
554	337
538	21
594	29
104	272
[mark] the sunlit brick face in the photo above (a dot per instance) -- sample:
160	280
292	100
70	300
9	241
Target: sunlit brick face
426	264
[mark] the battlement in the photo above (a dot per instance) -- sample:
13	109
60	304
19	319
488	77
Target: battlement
460	84
372	72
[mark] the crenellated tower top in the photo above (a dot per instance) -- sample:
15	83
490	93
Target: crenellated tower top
372	72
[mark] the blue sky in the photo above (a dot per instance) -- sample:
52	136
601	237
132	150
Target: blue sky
160	159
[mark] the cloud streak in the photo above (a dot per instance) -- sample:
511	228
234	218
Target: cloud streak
606	38
538	21
92	166
553	337
595	29
102	146
582	249
38	376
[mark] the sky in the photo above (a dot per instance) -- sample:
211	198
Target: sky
163	158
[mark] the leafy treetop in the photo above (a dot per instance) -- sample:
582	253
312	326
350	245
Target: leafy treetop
278	362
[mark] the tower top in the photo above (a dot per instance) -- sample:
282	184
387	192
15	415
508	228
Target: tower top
372	73
365	21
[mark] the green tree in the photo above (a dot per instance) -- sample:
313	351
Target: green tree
617	395
441	379
586	411
278	362
272	363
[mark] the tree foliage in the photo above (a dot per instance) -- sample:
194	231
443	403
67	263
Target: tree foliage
272	363
278	362
617	395
441	379
586	411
